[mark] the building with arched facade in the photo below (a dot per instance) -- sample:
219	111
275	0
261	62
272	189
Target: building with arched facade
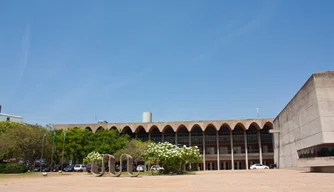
224	144
302	134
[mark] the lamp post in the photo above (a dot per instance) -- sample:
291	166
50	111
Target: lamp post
40	162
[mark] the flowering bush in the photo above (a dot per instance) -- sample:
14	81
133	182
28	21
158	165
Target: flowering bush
93	157
171	157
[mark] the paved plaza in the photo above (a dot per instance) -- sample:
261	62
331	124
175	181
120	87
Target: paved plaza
256	180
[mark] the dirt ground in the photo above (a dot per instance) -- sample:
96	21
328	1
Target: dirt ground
245	181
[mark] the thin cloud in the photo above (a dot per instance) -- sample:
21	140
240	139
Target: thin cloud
261	18
89	88
125	82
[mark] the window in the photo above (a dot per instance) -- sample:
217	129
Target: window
210	150
223	150
237	149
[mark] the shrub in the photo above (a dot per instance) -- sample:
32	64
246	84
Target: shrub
14	168
2	167
172	157
93	157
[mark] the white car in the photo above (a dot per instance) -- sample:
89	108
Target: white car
259	166
141	168
157	168
80	168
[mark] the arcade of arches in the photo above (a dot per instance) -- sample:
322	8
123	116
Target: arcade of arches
238	148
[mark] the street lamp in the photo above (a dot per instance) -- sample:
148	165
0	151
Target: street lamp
40	162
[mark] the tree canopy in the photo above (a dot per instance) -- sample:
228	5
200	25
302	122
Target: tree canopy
135	148
19	141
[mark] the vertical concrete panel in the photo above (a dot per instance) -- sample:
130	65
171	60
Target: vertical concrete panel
297	125
326	109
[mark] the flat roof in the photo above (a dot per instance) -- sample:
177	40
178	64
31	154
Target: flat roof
9	115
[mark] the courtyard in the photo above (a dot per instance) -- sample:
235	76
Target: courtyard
243	180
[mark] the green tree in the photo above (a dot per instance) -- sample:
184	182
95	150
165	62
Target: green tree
135	148
23	142
74	145
109	141
4	125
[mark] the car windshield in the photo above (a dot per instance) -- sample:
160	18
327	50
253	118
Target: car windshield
77	165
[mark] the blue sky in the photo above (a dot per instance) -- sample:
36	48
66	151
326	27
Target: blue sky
72	61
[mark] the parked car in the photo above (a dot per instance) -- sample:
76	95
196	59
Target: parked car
37	168
141	168
157	168
69	168
259	166
46	169
80	168
57	167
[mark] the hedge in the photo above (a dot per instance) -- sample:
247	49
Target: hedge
12	168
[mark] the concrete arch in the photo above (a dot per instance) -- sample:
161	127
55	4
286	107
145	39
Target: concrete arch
113	128
139	129
192	125
210	125
268	124
225	125
141	133
239	124
160	126
166	128
152	128
216	124
196	126
100	128
88	129
131	126
248	123
255	125
155	134
253	129
126	129
224	129
180	127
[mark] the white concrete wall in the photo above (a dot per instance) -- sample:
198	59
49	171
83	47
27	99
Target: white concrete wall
299	125
307	120
325	95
